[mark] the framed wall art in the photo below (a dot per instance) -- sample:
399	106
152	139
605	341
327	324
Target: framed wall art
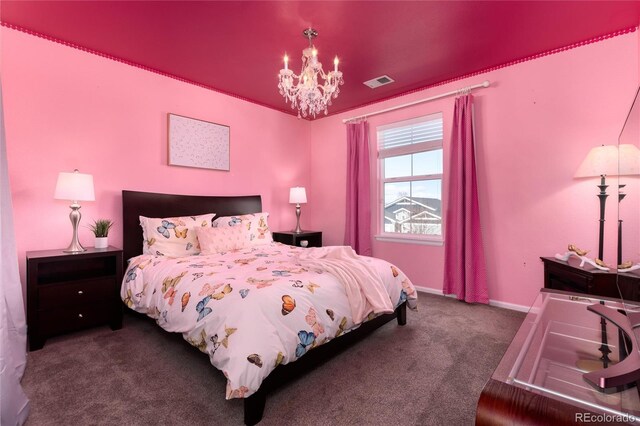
198	143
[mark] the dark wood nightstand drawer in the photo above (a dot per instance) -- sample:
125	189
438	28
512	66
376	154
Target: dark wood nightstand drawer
56	321
567	280
55	296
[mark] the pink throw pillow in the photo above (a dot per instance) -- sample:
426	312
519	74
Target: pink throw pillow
219	240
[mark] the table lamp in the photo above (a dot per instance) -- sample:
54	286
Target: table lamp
74	187
297	196
609	160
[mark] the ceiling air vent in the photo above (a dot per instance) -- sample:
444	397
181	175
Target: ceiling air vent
379	81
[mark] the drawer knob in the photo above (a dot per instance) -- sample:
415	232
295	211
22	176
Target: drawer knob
80	316
80	292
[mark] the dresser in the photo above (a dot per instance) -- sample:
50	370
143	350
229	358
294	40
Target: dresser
569	276
68	292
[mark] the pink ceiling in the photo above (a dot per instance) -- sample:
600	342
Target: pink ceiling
237	47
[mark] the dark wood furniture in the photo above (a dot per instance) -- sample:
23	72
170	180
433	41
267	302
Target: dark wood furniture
67	292
136	203
569	276
629	285
313	238
505	404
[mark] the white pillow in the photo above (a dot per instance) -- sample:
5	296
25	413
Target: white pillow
173	236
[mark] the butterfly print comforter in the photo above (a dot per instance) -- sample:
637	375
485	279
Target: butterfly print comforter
253	309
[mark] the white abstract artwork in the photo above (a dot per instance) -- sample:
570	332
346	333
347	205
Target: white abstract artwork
197	143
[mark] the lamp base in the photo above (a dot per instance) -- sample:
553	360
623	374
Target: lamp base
602	195
74	248
298	230
74	216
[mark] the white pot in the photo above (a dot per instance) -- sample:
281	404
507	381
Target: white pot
102	242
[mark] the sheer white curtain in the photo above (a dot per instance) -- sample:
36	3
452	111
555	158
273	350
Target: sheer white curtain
14	405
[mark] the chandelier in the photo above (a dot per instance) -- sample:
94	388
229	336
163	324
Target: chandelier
304	91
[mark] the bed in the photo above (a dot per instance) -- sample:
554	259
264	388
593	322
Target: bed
258	309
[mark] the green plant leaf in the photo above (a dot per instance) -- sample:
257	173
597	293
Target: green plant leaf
101	227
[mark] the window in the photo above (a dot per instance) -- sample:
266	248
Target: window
410	156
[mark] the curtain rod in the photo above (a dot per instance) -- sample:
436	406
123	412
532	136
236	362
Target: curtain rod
432	98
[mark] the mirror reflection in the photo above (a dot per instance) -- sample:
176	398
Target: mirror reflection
628	239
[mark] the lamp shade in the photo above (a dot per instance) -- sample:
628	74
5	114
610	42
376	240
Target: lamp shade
297	195
74	186
611	160
601	160
629	160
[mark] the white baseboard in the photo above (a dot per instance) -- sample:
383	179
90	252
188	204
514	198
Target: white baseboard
496	303
512	306
432	291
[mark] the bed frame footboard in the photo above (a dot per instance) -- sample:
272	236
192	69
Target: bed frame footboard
254	405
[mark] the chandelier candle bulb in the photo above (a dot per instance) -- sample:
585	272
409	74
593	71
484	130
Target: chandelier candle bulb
335	64
286	62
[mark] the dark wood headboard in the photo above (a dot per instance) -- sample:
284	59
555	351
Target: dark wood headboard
135	204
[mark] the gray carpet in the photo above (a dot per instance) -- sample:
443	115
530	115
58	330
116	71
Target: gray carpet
430	372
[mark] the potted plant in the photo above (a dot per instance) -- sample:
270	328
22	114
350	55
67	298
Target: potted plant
100	229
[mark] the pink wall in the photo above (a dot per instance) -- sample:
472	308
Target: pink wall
67	109
534	126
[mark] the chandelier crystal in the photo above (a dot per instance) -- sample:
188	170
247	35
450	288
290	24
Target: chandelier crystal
304	91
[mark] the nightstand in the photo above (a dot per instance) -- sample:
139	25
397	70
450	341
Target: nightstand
314	238
67	292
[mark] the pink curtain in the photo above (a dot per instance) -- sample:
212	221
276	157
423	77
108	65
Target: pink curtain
358	224
464	266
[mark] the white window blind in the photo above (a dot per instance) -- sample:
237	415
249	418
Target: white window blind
418	130
410	158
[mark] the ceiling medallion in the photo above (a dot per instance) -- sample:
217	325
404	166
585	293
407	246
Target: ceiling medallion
304	91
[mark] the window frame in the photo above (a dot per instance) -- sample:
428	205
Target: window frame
382	154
